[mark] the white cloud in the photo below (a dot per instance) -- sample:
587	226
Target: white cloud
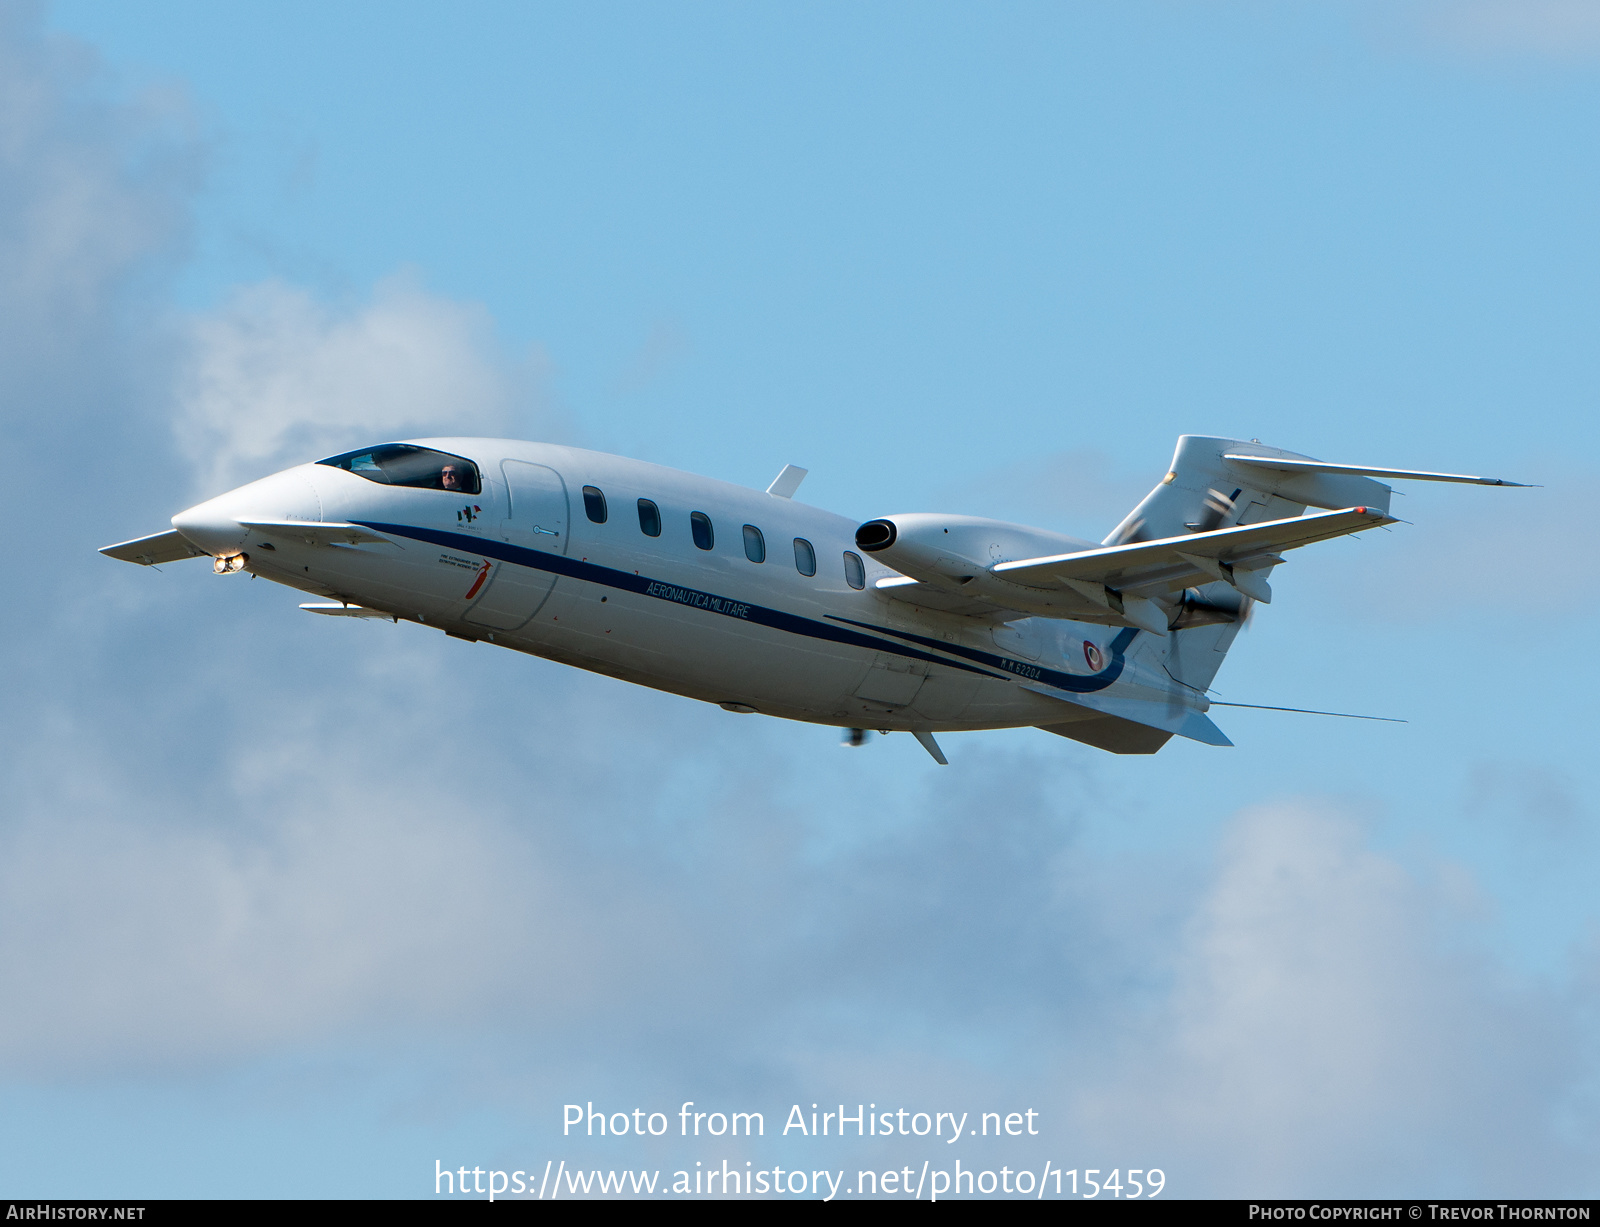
1313	1016
94	189
1559	29
299	885
1334	1027
1549	31
275	377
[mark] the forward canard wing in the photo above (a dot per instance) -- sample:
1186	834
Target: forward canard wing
170	546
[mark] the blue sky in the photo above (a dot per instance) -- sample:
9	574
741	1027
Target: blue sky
296	909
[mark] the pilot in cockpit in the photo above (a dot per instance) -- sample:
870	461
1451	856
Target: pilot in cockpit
450	478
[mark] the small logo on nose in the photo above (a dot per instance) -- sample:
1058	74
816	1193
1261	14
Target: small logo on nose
469	513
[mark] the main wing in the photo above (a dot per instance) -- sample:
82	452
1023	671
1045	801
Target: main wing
1121	584
1155	568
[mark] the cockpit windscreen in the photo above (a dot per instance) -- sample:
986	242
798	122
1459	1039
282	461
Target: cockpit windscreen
401	464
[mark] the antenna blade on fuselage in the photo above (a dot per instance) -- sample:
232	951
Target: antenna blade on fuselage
787	482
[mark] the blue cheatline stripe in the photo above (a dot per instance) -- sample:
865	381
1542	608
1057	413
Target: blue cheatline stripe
627	581
1061	681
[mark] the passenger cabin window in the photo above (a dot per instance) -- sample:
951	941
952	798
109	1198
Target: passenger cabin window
594	504
700	529
755	546
401	464
854	573
649	518
805	558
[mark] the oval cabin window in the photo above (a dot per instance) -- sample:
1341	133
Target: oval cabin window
700	529
649	518
755	546
805	558
854	573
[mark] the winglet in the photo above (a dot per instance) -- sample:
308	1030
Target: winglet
787	482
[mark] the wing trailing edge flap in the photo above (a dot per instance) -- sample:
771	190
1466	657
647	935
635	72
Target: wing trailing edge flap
1156	567
170	546
1173	720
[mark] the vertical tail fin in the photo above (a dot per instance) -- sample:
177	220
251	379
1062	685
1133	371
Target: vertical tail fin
1204	491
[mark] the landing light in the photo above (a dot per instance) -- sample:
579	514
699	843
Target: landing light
229	563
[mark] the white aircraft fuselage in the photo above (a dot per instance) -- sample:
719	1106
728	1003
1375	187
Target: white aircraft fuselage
760	603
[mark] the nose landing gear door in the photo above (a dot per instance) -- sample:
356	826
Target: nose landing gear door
536	521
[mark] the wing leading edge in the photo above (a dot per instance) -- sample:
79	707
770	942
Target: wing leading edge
1151	568
1121	583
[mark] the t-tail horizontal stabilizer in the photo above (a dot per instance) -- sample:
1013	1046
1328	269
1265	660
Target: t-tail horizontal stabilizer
1283	464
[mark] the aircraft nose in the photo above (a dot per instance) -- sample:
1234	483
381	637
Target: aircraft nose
211	526
214	525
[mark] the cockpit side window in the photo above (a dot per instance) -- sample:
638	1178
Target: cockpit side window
401	464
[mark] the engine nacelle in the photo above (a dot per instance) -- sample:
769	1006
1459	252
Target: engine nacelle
952	551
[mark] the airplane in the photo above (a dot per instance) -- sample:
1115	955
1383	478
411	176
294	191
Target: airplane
922	623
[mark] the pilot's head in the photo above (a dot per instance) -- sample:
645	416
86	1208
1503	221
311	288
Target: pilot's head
450	478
